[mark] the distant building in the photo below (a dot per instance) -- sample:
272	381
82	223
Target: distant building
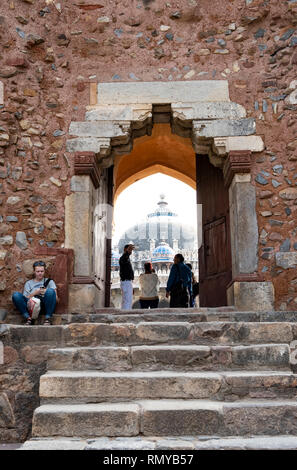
157	240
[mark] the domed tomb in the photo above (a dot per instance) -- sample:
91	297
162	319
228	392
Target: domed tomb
162	225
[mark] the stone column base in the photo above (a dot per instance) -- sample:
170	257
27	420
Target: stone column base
81	298
247	296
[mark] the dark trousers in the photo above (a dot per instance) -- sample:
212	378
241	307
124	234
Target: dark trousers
178	300
20	302
149	303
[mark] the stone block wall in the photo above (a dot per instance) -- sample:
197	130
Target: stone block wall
25	353
51	51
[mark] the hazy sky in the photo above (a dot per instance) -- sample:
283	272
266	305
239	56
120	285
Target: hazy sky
141	198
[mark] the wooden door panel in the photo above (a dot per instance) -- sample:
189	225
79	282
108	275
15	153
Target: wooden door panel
215	242
215	265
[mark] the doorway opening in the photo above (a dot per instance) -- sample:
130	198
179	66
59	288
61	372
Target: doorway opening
208	249
186	127
158	215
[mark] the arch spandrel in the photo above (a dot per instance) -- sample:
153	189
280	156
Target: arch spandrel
171	153
151	170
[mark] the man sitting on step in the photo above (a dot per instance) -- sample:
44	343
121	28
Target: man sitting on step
36	287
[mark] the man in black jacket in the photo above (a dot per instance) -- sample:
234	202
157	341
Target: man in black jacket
127	277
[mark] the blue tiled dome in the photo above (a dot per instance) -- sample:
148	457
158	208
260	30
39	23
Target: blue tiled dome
162	253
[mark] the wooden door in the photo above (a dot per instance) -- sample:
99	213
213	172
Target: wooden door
108	240
215	264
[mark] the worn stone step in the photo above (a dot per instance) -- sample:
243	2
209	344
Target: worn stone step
110	315
145	333
191	357
85	420
103	358
173	357
169	315
198	417
200	333
167	418
94	386
165	443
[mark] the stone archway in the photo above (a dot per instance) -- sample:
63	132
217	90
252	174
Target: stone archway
198	110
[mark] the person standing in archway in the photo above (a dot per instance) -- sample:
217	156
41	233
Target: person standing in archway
127	277
179	284
149	283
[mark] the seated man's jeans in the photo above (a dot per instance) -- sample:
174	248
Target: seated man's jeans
49	299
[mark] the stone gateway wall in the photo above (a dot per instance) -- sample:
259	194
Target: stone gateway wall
51	52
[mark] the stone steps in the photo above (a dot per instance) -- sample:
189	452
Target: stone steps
109	315
167	418
199	333
284	442
173	357
153	333
93	386
212	379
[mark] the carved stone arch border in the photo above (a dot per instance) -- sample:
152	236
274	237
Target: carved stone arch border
202	110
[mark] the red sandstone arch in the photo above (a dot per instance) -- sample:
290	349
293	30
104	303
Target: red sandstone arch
161	152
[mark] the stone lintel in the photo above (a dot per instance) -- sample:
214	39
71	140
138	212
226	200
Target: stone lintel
101	129
163	92
89	144
224	127
210	110
236	162
223	145
128	112
85	164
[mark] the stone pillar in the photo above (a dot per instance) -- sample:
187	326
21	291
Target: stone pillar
78	231
247	290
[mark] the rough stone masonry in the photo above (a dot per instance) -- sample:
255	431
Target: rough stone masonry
50	53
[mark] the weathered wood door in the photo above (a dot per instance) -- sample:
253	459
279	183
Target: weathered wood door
108	238
215	264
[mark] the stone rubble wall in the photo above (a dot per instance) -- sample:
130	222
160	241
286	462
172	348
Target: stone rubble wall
25	360
51	51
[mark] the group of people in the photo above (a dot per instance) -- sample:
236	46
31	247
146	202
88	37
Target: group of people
182	287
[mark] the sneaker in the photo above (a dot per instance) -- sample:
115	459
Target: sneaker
47	322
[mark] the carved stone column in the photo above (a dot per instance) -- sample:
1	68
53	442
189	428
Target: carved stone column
78	230
247	291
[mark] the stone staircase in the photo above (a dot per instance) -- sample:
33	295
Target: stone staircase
169	379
